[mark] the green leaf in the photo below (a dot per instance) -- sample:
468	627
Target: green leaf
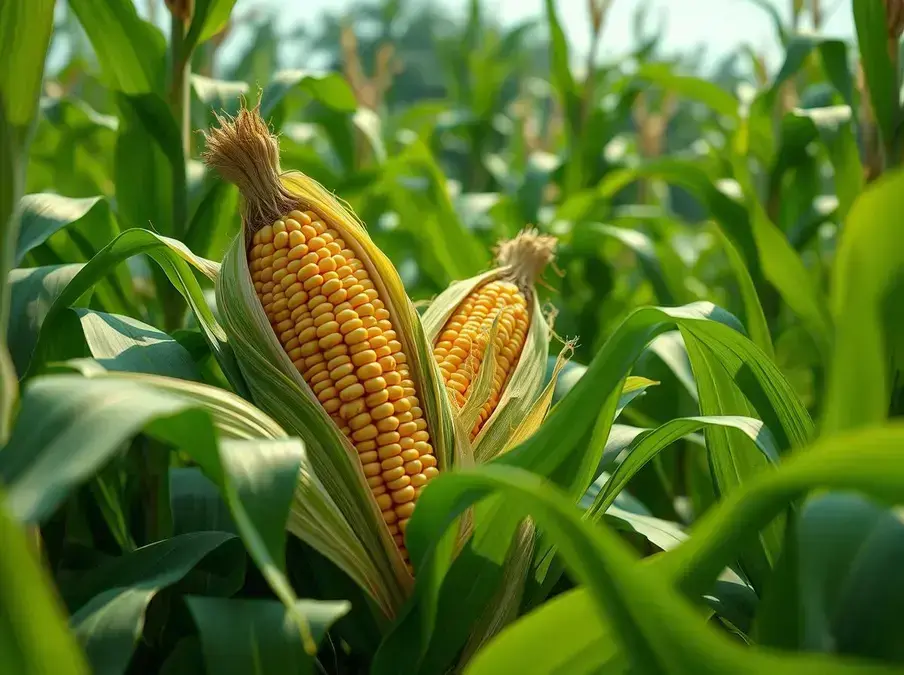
730	215
656	629
45	214
648	443
81	422
564	635
34	291
34	638
150	166
753	310
208	18
834	58
782	265
865	279
733	457
215	222
694	88
124	343
24	37
867	461
881	78
196	504
571	422
839	589
331	89
645	250
256	636
560	68
131	51
113	598
74	230
834	126
174	258
450	250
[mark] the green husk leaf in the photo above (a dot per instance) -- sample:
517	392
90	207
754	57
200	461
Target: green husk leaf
521	392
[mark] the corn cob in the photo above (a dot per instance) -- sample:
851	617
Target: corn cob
462	344
317	290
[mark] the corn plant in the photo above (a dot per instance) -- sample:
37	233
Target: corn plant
568	370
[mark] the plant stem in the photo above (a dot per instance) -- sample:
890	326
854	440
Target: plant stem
179	82
180	105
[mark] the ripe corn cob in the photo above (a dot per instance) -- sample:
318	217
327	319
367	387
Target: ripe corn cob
461	347
318	293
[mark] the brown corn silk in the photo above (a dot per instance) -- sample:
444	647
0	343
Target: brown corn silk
505	300
317	291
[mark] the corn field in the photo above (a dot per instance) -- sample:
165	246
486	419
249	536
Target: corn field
409	343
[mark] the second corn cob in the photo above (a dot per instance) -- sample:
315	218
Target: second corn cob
506	298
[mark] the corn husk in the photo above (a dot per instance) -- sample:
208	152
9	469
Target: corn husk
524	400
277	387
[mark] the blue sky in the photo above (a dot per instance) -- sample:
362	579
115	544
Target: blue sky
721	25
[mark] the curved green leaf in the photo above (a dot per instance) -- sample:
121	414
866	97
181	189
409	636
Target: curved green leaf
866	277
174	258
123	343
113	598
564	433
69	426
694	88
131	51
656	629
34	638
583	644
255	636
42	215
33	293
647	444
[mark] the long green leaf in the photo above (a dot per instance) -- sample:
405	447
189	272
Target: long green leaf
81	422
648	444
131	51
866	277
34	638
255	636
571	421
656	629
174	258
24	37
881	78
868	461
112	601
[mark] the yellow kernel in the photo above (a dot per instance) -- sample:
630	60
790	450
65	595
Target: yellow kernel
365	433
352	408
330	340
404	494
370	371
393	474
352	392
